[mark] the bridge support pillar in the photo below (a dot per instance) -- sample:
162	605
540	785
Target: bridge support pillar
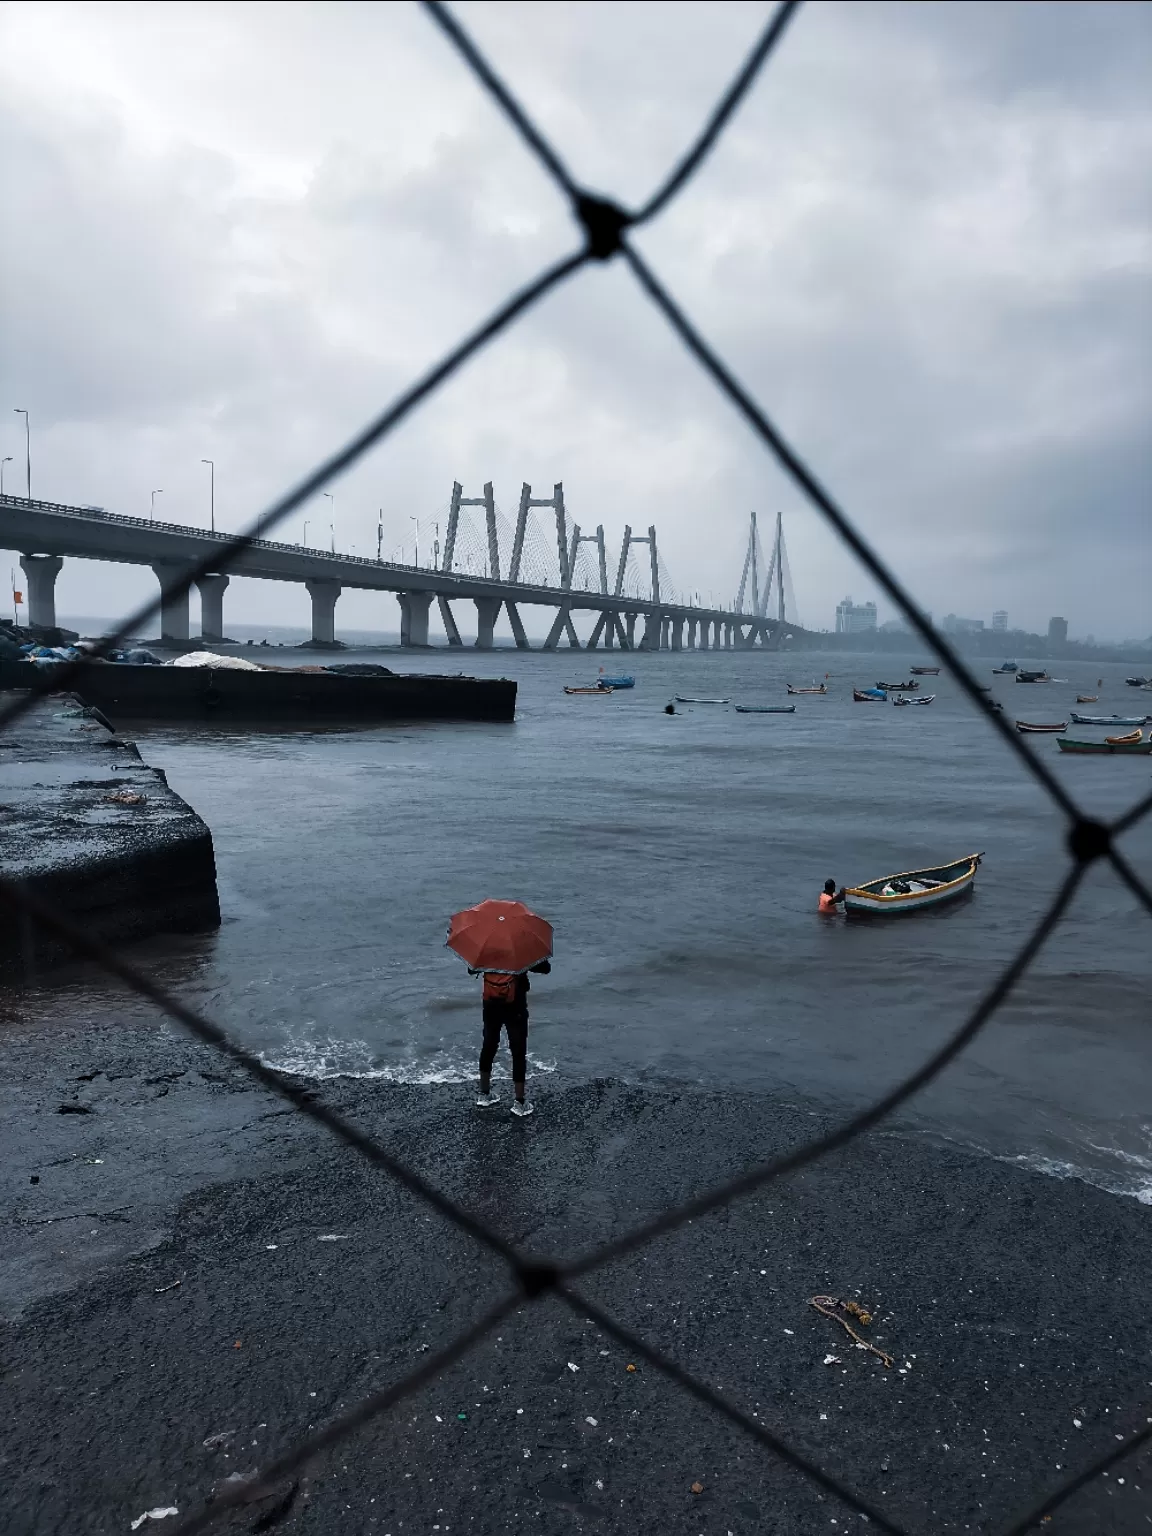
692	634
630	629
665	633
598	629
487	612
650	639
414	608
677	634
323	594
173	605
448	619
562	625
212	606
40	572
517	624
728	636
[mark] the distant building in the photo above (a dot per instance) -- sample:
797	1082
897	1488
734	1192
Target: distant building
855	618
954	625
1000	622
1057	631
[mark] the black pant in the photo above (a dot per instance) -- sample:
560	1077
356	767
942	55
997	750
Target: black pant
499	1016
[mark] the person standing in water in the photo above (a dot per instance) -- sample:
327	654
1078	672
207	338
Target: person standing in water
830	897
505	1009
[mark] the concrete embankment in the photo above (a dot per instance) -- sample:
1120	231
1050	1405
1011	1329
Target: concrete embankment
126	693
87	825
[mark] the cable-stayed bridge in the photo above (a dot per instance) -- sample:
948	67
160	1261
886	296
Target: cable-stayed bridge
484	560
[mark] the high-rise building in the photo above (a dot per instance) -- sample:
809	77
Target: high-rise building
954	625
1000	622
855	618
1057	631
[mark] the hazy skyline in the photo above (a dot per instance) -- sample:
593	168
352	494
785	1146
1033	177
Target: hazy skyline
235	231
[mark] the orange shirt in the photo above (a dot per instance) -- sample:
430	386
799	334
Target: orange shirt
827	903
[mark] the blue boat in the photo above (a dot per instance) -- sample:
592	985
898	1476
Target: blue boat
765	709
617	682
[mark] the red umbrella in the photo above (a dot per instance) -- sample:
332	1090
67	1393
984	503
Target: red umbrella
500	936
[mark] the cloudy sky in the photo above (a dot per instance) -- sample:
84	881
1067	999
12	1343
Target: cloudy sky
234	230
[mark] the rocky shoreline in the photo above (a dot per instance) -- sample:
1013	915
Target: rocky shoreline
194	1277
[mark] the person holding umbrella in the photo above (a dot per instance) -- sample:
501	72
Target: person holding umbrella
502	941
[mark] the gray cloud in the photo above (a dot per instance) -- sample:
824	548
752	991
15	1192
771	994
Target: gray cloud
924	243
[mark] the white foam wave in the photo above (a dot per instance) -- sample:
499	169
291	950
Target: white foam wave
320	1061
1116	1183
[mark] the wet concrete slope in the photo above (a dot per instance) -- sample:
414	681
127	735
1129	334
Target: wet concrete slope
88	825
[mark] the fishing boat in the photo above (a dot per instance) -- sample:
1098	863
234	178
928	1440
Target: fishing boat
914	890
1008	666
1121	744
1027	728
1113	720
1033	677
869	695
1087	698
907	687
765	709
597	688
618	682
682	699
926	698
924	671
1138	682
823	688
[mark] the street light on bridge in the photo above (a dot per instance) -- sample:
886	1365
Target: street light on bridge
20	411
152	512
211	490
7	459
416	520
332	525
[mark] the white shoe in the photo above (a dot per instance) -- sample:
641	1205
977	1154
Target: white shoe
486	1100
523	1108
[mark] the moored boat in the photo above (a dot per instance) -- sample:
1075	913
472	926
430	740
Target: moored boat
1008	666
765	709
916	889
1125	741
597	688
1138	682
1025	727
907	687
924	671
1033	677
1087	698
823	688
925	698
869	695
618	682
1120	744
682	699
1113	720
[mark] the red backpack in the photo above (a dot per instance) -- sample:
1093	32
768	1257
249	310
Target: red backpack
499	987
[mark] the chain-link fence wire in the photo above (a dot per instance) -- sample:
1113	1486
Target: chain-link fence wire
605	226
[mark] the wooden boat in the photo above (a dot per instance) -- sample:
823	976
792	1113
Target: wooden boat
823	688
1113	720
596	688
618	682
1008	666
681	699
869	695
918	888
907	687
924	671
765	709
1087	698
926	698
1025	728
1033	677
1120	744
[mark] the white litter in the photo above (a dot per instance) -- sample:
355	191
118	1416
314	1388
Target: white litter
831	1359
155	1514
572	1367
590	1420
207	659
333	1237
